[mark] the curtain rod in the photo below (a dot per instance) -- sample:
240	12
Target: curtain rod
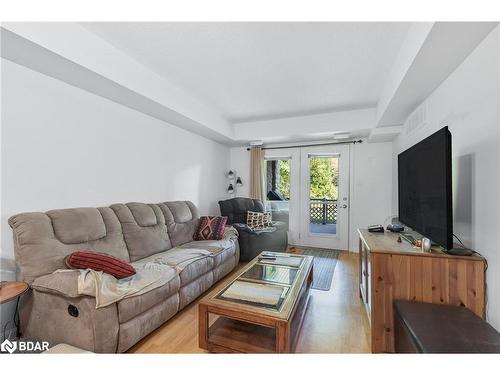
311	145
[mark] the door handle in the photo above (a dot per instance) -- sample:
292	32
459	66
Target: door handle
343	206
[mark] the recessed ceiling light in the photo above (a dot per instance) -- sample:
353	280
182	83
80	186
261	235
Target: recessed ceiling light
345	135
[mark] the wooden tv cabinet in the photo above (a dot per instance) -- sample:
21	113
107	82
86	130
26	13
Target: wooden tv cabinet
390	270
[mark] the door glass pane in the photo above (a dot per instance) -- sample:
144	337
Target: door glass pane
323	194
278	189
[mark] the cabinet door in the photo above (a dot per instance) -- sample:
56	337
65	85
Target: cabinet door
368	282
363	271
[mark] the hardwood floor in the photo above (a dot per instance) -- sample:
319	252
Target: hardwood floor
335	321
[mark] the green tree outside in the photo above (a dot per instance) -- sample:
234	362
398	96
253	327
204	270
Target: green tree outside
284	181
324	178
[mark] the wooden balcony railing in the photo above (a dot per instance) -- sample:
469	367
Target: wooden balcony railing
323	211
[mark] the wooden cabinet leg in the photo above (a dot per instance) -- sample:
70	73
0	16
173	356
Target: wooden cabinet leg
203	326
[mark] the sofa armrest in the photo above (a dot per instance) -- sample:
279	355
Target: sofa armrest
240	227
62	283
280	225
53	311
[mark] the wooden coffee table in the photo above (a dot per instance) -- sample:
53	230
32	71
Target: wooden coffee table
260	309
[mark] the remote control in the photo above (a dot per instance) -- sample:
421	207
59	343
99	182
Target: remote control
376	228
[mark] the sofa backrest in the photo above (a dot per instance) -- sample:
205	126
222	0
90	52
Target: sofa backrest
182	221
152	228
43	240
236	209
129	232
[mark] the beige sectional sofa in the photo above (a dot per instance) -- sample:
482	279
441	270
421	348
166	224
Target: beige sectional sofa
54	311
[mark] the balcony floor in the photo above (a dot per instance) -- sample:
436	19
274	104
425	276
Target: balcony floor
323	228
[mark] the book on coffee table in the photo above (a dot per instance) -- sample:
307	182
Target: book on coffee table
264	294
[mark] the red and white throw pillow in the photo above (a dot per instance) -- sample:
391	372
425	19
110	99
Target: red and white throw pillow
100	262
210	228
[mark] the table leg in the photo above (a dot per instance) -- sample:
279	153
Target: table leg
282	337
17	320
203	326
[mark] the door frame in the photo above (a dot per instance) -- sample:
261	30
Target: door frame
293	154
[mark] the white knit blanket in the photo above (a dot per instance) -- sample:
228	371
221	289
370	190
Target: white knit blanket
151	273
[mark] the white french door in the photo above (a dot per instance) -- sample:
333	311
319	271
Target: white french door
324	196
312	186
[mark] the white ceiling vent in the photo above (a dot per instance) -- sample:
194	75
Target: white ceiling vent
417	119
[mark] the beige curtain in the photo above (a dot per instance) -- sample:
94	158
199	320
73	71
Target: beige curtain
256	173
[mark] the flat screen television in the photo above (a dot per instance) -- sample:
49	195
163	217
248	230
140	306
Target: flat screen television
424	187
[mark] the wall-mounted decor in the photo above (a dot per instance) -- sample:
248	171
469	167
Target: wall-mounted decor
234	182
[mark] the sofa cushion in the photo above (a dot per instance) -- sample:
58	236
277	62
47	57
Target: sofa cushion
225	268
143	324
77	225
224	255
221	250
144	229
190	263
129	308
181	219
194	289
195	269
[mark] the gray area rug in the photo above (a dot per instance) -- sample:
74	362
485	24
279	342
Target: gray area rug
325	261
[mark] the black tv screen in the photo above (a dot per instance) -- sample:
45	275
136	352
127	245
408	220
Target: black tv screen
424	186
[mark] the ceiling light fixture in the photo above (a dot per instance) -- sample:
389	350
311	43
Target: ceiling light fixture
345	135
256	143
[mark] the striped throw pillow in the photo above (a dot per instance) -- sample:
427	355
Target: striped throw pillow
100	262
210	228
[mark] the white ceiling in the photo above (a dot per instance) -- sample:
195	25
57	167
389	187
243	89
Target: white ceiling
252	71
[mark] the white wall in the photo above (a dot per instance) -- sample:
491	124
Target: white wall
371	187
370	184
64	147
240	162
468	103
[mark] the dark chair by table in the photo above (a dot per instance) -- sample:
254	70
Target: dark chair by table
252	242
